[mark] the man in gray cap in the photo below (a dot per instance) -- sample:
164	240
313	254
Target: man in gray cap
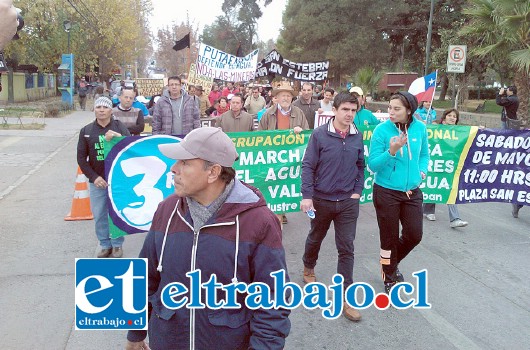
90	160
225	229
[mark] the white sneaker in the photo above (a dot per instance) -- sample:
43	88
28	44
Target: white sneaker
458	223
431	217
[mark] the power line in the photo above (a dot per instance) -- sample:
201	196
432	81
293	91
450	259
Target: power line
90	12
80	14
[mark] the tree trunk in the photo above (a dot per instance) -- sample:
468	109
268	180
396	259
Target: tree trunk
522	81
445	85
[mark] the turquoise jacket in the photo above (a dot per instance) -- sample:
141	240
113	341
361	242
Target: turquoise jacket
403	171
364	118
424	114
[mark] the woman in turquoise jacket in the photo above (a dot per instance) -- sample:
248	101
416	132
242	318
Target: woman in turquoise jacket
399	157
426	113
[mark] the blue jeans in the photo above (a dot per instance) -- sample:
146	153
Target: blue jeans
430	208
98	204
344	215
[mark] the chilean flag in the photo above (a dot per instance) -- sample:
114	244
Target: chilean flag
423	88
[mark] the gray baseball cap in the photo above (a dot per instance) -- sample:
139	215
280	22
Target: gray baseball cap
206	143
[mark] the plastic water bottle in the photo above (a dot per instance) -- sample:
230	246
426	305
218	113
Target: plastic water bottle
311	213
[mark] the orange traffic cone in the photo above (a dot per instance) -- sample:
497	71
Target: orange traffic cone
81	202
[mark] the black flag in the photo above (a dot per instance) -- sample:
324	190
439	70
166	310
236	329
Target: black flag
182	43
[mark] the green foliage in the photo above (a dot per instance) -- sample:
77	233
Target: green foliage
223	34
470	105
502	31
236	27
405	24
368	79
341	31
485	93
108	33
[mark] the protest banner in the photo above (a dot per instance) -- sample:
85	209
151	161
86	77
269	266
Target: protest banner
199	80
139	179
272	162
216	64
496	168
322	118
467	165
274	63
149	87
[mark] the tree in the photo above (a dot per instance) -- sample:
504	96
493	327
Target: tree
368	79
104	35
224	35
316	30
405	24
237	26
248	12
265	48
176	62
502	28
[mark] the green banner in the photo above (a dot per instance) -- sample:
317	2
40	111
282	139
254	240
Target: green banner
272	162
466	165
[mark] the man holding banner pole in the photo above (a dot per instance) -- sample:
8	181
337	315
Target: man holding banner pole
90	159
282	116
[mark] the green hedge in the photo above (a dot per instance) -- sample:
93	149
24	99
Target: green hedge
485	93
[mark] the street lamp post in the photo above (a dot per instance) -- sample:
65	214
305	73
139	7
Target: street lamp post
67	26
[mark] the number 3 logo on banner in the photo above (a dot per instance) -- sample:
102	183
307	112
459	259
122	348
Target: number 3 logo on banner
139	179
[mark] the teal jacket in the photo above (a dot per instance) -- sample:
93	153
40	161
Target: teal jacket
364	118
428	116
403	171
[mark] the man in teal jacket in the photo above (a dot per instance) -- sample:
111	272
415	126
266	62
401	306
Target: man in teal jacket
363	117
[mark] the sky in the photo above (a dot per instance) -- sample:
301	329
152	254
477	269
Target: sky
204	13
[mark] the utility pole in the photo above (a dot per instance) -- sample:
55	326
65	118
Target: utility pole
429	35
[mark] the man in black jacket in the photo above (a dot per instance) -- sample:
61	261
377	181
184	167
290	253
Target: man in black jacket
510	103
90	160
332	185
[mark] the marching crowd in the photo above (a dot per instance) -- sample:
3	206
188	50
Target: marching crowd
222	226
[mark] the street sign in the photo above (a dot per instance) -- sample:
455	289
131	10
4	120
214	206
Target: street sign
456	59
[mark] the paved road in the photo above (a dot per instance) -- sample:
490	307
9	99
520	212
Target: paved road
478	284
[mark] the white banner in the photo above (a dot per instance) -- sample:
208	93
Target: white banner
217	64
199	80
